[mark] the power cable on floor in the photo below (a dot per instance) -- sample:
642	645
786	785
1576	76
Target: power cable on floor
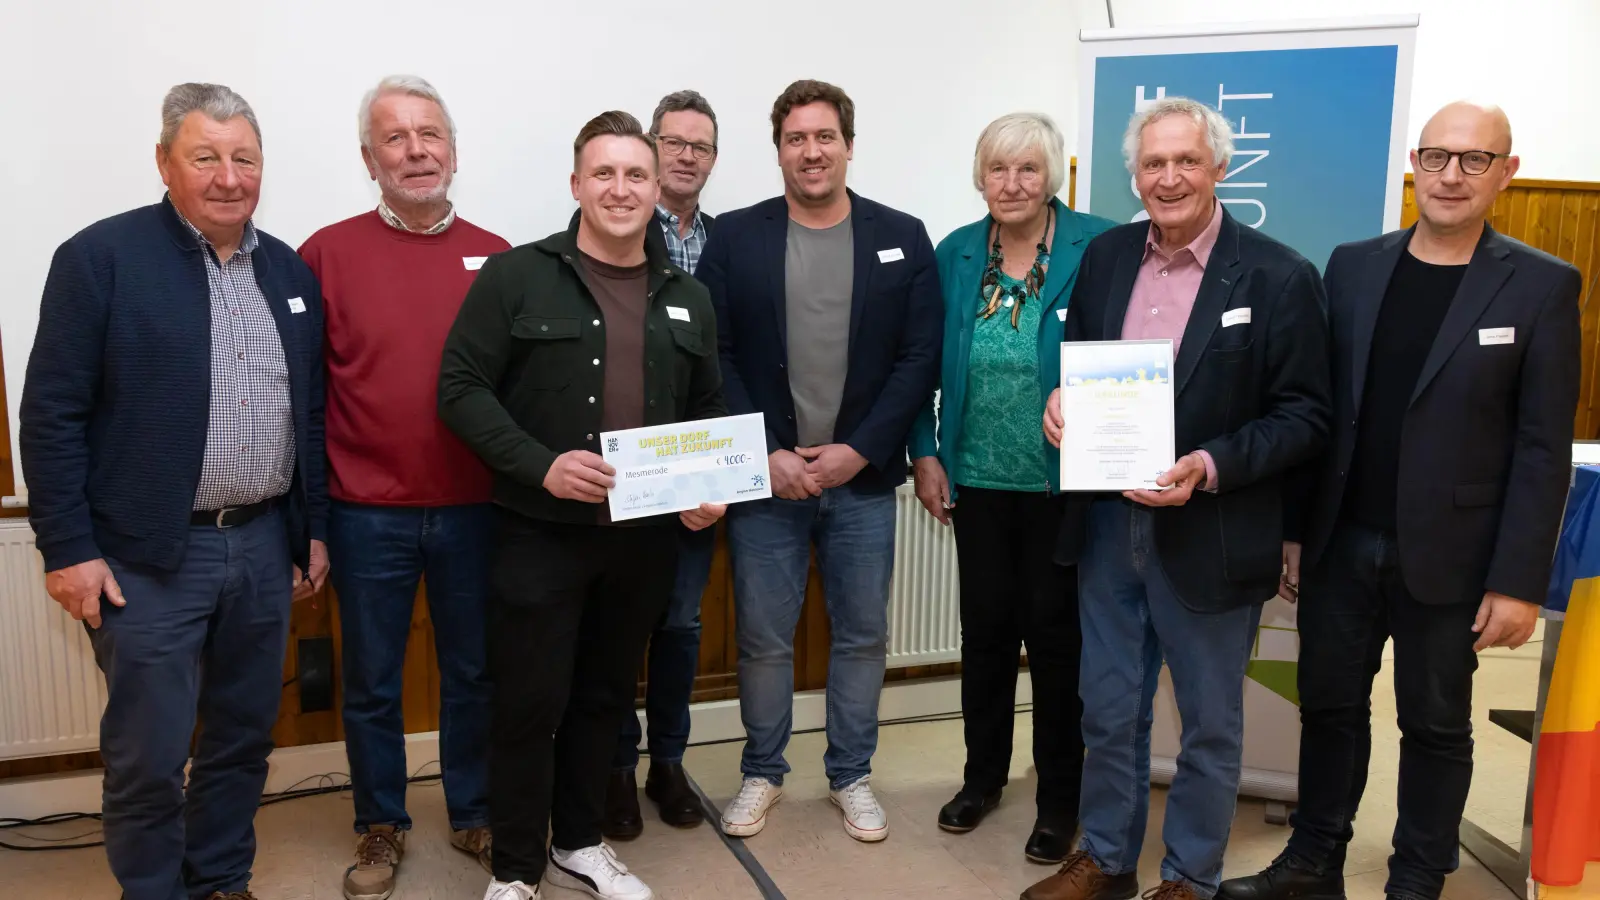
326	784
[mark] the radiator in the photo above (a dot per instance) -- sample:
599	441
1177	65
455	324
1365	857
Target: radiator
51	693
925	599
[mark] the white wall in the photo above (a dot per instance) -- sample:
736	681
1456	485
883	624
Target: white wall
1536	58
86	80
520	77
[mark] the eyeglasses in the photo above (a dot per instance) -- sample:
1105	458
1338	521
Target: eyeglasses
1473	162
672	146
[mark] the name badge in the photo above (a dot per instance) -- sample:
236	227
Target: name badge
1061	314
678	312
1487	336
473	263
296	305
889	256
1232	317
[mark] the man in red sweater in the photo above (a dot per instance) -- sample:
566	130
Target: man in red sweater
409	499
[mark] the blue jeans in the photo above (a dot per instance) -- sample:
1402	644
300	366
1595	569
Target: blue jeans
378	554
674	659
771	543
210	635
1132	620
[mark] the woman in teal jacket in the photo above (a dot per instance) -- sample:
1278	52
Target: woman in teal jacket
983	463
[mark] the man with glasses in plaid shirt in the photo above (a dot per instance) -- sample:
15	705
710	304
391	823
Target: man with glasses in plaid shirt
685	130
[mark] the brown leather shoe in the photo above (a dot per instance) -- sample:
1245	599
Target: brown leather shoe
1170	890
477	842
378	854
1081	879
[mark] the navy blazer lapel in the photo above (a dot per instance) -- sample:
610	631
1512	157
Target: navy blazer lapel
1372	284
1216	287
775	250
1487	271
861	233
1122	281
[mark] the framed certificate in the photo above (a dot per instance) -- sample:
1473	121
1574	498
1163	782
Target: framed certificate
1116	403
671	468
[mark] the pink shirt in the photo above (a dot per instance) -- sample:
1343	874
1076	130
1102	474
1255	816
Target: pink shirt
1163	296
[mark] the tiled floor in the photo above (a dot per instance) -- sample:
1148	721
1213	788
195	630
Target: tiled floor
305	844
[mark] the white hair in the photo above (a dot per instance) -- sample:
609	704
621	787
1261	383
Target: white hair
400	84
1218	133
216	101
1014	134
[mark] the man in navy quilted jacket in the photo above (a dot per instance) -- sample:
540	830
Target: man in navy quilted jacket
172	444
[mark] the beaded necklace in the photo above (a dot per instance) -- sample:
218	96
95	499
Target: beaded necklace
1013	295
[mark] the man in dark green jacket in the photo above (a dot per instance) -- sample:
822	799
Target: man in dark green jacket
587	331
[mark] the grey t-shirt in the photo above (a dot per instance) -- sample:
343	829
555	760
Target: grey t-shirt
819	273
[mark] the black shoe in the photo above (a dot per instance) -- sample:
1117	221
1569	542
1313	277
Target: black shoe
1049	845
1288	878
963	813
668	785
622	821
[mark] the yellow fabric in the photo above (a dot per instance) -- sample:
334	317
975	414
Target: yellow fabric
1573	703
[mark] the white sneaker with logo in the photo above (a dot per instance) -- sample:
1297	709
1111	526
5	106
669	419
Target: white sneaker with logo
863	817
597	872
516	890
746	814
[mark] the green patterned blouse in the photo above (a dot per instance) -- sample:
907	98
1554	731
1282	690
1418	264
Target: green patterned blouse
1001	445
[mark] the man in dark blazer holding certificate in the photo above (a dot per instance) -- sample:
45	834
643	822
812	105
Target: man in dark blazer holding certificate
1180	574
1434	516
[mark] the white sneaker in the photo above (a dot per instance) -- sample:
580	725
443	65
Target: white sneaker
746	814
863	817
516	890
596	871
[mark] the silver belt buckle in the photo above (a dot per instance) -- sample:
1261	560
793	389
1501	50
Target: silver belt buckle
220	514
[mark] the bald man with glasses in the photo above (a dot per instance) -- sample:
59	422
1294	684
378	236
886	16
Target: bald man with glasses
1433	516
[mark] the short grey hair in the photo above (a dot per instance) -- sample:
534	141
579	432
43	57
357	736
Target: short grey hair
1014	134
1218	133
218	102
400	84
683	101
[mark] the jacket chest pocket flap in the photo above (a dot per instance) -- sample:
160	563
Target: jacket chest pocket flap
550	348
688	339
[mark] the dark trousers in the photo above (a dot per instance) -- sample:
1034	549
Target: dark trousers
1349	605
571	607
211	637
674	660
1013	595
378	555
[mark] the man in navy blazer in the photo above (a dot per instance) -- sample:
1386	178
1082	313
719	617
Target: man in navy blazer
828	318
172	440
1433	517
